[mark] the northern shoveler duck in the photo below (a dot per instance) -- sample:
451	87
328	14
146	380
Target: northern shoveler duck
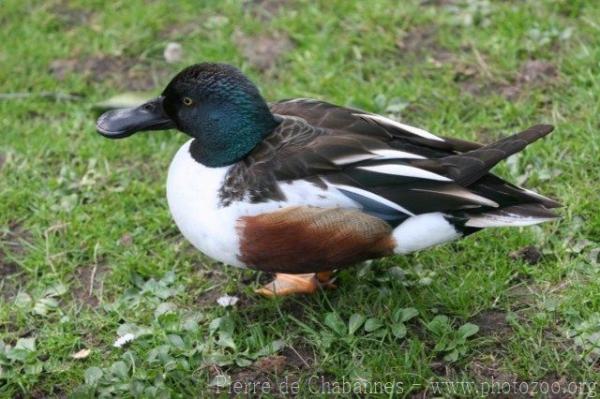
302	187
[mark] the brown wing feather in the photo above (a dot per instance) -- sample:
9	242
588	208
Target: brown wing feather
335	117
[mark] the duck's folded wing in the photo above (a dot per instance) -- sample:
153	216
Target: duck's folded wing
330	116
389	177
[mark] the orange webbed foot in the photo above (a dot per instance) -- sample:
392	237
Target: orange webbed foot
289	284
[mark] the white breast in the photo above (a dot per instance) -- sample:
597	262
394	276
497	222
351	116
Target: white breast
192	193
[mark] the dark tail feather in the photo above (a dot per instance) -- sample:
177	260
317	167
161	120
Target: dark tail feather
470	166
501	191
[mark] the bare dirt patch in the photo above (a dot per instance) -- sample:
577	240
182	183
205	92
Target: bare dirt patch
266	10
6	267
218	281
44	393
484	370
531	74
9	285
299	357
443	369
277	372
438	3
537	71
492	322
561	387
497	380
522	295
69	16
123	72
209	298
418	39
90	284
490	370
486	135
422	42
530	254
271	364
126	240
13	241
263	51
181	30
15	238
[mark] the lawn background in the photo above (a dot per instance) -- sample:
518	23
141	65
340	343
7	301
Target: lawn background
88	251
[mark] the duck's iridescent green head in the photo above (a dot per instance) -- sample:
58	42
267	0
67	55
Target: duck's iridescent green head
214	103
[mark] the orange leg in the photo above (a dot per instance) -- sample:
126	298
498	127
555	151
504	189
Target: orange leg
288	284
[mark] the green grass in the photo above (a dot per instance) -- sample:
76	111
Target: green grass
80	214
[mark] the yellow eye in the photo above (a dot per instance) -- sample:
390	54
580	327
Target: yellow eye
187	101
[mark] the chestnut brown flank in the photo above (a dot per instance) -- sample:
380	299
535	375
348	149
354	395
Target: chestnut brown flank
307	239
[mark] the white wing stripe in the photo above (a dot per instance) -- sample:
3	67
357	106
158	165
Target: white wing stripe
395	154
411	129
382	154
508	220
353	158
463	194
404	170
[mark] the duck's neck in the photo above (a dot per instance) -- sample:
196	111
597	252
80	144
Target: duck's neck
224	135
